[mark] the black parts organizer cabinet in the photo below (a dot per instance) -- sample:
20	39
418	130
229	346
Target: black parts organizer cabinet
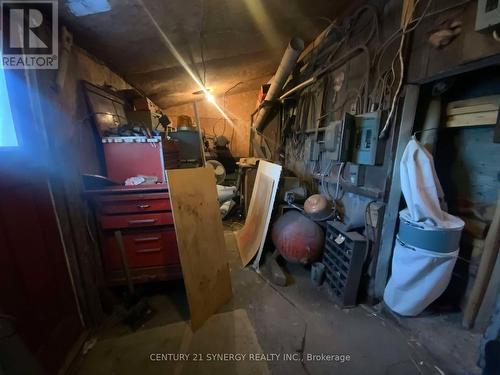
343	258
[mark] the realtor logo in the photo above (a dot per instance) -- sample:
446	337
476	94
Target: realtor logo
29	34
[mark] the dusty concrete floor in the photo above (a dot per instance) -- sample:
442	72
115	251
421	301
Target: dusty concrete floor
454	348
301	318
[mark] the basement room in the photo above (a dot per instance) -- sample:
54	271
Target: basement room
250	187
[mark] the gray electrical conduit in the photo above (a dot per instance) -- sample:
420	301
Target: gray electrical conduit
292	53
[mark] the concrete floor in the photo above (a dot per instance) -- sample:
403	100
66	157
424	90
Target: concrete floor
298	318
454	348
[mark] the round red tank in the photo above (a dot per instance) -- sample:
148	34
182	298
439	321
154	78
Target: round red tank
298	238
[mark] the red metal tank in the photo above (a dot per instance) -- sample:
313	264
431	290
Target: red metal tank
298	238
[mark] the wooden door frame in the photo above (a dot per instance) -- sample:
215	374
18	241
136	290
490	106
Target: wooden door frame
391	214
29	162
70	206
32	151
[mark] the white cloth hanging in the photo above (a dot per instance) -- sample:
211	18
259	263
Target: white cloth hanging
419	276
422	190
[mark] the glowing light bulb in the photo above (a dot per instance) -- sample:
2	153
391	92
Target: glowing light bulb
210	97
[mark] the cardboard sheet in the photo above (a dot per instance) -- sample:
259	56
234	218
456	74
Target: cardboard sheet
200	239
252	236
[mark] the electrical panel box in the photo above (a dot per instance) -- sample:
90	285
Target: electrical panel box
487	15
368	149
311	149
338	139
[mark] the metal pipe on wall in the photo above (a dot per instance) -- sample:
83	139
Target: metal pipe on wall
295	47
431	125
300	86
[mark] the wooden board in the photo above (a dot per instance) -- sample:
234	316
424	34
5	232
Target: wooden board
467	165
252	236
473	112
249	237
489	299
250	175
472	119
470	50
452	111
200	239
478	104
391	213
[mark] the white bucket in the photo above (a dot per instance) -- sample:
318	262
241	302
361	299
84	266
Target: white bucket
418	277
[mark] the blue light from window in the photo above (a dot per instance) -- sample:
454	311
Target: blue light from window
8	136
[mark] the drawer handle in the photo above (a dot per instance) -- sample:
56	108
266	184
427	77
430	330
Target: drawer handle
142	251
143	206
143	221
147	239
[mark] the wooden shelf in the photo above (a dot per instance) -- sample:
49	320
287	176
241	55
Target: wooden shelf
365	191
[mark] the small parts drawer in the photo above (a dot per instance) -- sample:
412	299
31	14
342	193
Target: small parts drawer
133	203
136	220
143	248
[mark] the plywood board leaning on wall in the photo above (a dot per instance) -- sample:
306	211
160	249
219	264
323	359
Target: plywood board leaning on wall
200	239
251	238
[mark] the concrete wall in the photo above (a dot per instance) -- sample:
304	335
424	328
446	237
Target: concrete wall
238	107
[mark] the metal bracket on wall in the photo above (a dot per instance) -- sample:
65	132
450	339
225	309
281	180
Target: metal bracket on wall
392	209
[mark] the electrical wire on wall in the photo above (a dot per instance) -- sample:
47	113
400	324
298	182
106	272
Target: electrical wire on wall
382	90
307	120
400	58
345	44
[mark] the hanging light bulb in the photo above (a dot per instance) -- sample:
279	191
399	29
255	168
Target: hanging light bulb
210	97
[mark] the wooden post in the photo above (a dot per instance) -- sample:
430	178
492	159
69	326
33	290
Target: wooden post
392	209
488	259
198	124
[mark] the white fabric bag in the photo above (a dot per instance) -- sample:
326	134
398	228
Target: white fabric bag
422	190
418	277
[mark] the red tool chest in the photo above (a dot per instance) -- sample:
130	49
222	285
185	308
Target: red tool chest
131	156
143	215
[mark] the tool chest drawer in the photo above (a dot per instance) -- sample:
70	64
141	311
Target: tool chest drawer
143	216
135	220
133	203
144	248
